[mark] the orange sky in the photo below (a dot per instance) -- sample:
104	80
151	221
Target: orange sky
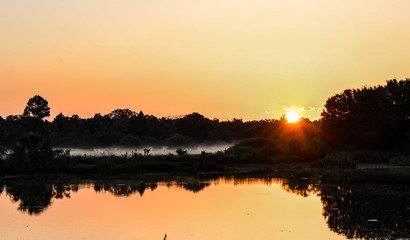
221	58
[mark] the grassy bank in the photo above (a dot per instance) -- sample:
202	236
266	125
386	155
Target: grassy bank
128	164
34	155
207	162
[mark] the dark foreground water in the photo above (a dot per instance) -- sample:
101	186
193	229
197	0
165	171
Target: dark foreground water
275	205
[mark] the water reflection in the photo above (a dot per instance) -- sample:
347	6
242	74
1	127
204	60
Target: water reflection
370	205
364	212
35	195
355	204
124	190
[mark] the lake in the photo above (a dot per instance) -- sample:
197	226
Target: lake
269	205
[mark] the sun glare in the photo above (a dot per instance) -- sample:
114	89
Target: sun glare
292	116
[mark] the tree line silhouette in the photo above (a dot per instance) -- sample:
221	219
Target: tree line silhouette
121	127
370	124
370	117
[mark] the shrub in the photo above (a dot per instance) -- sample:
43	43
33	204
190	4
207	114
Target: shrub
31	153
3	152
179	140
338	160
181	151
130	140
371	156
400	161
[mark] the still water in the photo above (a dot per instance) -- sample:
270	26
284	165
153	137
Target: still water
275	205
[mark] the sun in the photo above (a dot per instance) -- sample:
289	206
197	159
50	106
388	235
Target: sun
292	116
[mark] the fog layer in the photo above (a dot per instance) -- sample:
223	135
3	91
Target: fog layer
153	150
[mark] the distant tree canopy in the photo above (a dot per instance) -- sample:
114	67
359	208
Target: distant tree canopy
399	93
37	107
195	125
122	113
370	117
119	127
367	118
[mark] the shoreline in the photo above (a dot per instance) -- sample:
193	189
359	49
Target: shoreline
230	171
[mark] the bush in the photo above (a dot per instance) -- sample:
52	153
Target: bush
400	161
31	153
2	151
130	140
151	141
181	151
371	156
179	140
338	160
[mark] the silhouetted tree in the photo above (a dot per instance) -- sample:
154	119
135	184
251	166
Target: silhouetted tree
361	118
399	92
138	125
31	153
37	107
100	124
122	113
195	126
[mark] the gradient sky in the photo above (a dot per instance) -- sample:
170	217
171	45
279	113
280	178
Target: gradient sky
221	58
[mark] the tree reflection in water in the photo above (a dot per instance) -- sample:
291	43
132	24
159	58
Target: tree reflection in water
366	211
361	205
356	204
35	195
1	187
123	189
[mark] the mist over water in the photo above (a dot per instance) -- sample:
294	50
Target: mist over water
154	150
